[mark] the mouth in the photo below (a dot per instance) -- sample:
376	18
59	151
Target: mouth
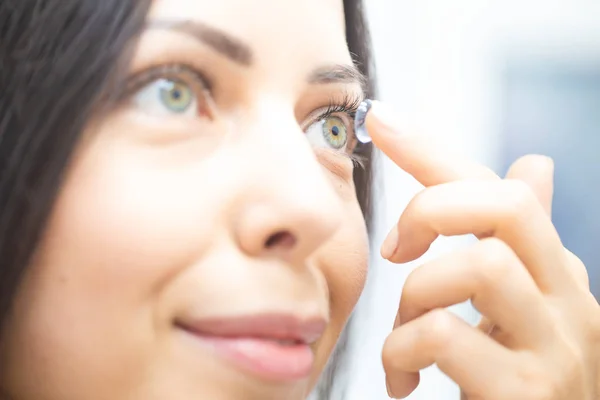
275	347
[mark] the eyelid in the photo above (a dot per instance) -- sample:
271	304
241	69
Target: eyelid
345	104
336	162
321	114
166	71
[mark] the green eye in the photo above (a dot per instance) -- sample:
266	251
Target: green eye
328	132
167	97
176	96
335	132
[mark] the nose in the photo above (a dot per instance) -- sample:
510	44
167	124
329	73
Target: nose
290	207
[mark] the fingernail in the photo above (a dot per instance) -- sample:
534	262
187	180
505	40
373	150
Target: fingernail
549	163
397	320
360	128
386	116
390	244
542	161
389	389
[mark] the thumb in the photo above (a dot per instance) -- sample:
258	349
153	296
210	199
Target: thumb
538	172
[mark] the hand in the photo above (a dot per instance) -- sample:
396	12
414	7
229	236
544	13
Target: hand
540	337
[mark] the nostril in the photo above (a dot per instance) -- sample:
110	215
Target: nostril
282	239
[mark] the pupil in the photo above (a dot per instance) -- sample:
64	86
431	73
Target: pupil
176	94
335	130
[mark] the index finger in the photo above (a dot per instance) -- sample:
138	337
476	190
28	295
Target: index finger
416	155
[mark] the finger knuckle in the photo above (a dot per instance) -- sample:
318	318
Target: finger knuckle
412	289
438	332
390	354
578	268
572	367
541	390
422	205
520	199
536	381
573	258
544	382
387	355
594	327
495	258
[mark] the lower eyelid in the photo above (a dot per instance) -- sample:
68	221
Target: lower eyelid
337	162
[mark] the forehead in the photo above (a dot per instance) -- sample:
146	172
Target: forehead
277	31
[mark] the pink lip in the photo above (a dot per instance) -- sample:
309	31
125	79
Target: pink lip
254	343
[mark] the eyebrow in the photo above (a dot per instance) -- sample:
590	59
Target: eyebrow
338	73
218	40
241	53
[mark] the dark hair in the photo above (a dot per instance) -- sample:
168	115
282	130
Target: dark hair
57	57
359	44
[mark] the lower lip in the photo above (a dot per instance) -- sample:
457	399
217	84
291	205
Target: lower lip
265	358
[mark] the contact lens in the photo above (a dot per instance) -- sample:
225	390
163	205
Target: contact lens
360	128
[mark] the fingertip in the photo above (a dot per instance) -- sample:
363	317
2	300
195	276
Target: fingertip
543	162
541	158
406	253
537	164
402	385
390	244
382	119
549	161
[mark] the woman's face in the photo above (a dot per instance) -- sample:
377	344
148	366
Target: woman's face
207	240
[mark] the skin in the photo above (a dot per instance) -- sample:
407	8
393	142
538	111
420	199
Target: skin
165	218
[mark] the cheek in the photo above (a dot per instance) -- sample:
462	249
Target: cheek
120	231
345	265
129	222
345	258
126	224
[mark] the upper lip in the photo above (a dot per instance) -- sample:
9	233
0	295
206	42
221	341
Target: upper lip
267	326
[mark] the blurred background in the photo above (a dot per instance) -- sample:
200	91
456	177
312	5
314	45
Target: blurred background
493	80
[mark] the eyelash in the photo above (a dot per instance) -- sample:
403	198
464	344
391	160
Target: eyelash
174	71
348	105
